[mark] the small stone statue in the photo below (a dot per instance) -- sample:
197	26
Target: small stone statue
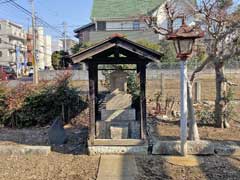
56	133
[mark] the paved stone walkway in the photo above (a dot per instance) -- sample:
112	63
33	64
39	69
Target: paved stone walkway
117	167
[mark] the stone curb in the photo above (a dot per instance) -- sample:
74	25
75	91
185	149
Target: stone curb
113	150
227	149
196	148
24	150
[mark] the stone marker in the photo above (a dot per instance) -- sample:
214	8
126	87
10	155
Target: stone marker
119	100
56	133
118	80
118	115
119	132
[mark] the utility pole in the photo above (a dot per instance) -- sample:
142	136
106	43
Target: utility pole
17	60
35	64
65	36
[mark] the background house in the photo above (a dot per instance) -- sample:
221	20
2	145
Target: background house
12	43
125	17
43	47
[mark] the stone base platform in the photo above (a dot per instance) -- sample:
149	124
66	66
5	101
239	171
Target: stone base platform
196	148
174	148
120	146
106	130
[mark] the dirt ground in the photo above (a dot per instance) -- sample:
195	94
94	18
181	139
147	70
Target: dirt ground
211	168
55	166
70	162
66	162
170	130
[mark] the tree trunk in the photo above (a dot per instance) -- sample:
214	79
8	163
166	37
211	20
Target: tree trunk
193	129
224	90
218	106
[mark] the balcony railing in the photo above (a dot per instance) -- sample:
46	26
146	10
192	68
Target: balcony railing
17	34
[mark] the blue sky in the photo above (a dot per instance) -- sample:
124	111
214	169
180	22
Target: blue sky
74	12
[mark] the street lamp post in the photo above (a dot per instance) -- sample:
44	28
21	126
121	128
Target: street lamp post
183	39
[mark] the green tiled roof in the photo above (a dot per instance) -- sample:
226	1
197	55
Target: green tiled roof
108	9
105	9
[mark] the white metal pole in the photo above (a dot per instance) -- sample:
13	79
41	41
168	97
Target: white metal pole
183	122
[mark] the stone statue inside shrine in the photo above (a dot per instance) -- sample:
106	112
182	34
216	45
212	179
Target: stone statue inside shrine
118	118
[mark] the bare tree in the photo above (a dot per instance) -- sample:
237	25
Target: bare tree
172	13
222	39
223	32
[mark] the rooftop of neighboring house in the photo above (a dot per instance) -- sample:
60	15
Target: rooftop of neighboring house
82	28
112	9
11	23
121	9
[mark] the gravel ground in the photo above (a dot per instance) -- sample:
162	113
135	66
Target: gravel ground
55	166
211	168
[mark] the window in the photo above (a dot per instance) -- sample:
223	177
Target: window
0	53
101	25
0	40
136	25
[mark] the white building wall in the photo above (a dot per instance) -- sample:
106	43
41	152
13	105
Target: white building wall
11	35
41	48
57	45
44	48
48	51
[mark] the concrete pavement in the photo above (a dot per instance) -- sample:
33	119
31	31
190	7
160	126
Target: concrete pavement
117	167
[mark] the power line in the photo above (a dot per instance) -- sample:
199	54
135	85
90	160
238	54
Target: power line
40	20
4	2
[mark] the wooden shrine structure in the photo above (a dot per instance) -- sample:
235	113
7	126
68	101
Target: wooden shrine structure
116	50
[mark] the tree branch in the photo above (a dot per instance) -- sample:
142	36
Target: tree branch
200	68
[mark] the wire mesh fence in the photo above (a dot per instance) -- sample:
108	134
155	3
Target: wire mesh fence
192	65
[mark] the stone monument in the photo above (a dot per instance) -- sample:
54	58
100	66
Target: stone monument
118	118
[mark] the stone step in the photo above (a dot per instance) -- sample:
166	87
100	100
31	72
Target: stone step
120	142
117	148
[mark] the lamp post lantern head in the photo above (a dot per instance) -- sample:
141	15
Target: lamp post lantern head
184	38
